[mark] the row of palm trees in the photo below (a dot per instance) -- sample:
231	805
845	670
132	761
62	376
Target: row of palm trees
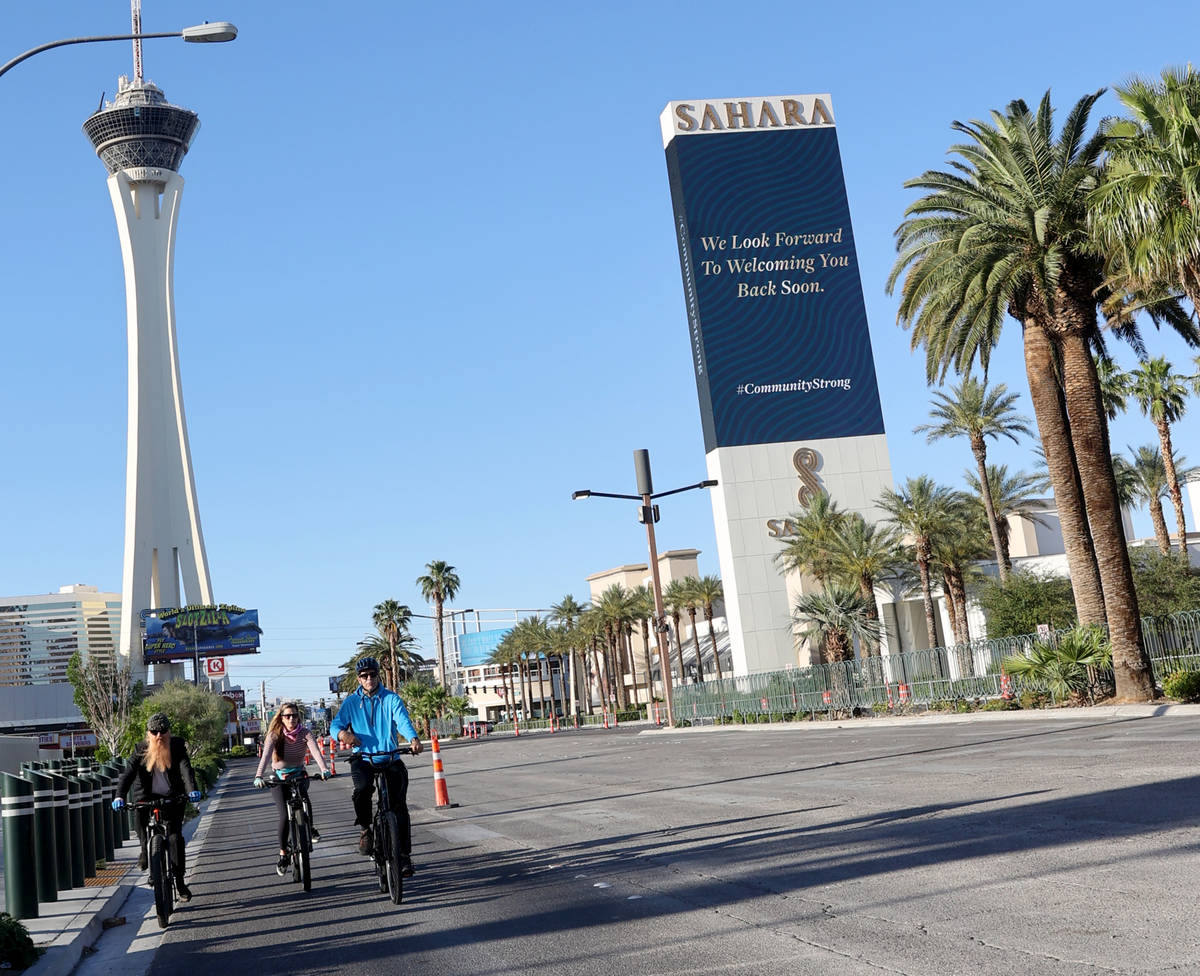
935	534
393	644
594	648
1067	234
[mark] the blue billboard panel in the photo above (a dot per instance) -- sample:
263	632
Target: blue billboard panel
475	649
209	631
775	306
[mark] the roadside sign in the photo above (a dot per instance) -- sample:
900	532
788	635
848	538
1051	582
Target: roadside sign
1043	632
214	667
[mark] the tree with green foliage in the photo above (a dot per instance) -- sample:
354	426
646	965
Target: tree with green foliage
106	695
974	411
706	591
197	715
1011	496
675	602
1029	598
391	619
1166	585
806	547
1066	666
1143	479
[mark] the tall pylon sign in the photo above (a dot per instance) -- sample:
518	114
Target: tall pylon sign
141	139
784	370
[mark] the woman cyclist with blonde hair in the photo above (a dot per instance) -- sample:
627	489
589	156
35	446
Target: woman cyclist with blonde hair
287	742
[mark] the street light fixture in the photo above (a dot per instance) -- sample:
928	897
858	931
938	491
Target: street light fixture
648	515
214	33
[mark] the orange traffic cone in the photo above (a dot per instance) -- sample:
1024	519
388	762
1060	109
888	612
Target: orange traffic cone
1006	691
441	794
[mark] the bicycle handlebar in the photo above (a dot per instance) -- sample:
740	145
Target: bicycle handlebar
273	781
404	751
161	802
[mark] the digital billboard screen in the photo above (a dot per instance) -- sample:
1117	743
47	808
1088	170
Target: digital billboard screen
180	634
775	306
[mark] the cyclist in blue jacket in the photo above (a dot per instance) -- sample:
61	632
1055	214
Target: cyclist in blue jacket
373	719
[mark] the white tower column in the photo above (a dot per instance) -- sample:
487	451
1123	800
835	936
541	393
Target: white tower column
163	539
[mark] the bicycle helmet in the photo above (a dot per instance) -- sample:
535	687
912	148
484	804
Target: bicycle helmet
366	664
158	722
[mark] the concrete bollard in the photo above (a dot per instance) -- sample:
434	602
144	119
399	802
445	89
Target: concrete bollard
20	870
43	834
62	831
120	821
98	816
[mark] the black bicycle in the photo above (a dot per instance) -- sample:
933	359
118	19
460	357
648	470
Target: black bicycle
387	855
301	819
162	869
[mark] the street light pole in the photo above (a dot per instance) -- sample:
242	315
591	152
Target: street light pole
649	515
645	487
201	33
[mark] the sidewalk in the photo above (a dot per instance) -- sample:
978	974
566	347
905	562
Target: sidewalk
66	927
1093	713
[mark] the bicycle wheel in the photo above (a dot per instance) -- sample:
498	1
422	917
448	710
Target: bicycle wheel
160	877
395	880
301	845
380	853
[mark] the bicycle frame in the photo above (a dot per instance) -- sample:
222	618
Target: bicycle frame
160	861
301	820
385	826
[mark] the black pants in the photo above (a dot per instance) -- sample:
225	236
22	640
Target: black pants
172	815
284	821
396	775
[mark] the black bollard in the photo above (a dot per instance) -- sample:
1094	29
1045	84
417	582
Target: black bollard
105	812
88	823
43	834
75	828
62	831
20	871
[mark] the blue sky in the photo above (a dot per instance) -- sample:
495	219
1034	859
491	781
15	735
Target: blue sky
427	281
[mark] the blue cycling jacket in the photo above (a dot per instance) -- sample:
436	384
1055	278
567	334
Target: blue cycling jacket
380	720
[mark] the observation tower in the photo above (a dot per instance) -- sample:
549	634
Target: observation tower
142	138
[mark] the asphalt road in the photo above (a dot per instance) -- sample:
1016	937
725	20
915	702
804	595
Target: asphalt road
1006	847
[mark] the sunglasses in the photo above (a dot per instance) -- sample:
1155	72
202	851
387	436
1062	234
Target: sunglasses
288	715
369	674
160	733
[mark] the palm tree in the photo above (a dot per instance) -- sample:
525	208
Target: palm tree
643	611
439	585
921	509
690	604
706	591
614	609
392	618
833	619
1007	233
675	600
591	628
806	549
1011	495
1145	477
1162	395
977	413
962	542
1114	387
862	552
1148	203
407	661
565	613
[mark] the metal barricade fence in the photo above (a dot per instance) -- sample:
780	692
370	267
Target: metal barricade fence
941	674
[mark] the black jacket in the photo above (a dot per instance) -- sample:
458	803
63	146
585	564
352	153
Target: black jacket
138	776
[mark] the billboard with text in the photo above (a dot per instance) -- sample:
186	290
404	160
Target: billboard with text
209	631
771	281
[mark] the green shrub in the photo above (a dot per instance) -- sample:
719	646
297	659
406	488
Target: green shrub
17	950
1034	699
239	752
1065	666
1028	598
1000	705
1183	686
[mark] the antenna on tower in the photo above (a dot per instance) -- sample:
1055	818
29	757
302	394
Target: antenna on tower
135	12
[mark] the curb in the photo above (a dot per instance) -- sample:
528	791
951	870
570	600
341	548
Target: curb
1085	714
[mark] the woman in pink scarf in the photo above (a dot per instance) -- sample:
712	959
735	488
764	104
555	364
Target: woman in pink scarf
287	742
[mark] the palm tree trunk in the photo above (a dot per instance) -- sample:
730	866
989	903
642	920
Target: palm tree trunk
649	665
1045	392
985	489
696	638
678	646
924	554
712	637
441	649
541	684
951	606
1089	429
1168	456
1160	526
866	587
